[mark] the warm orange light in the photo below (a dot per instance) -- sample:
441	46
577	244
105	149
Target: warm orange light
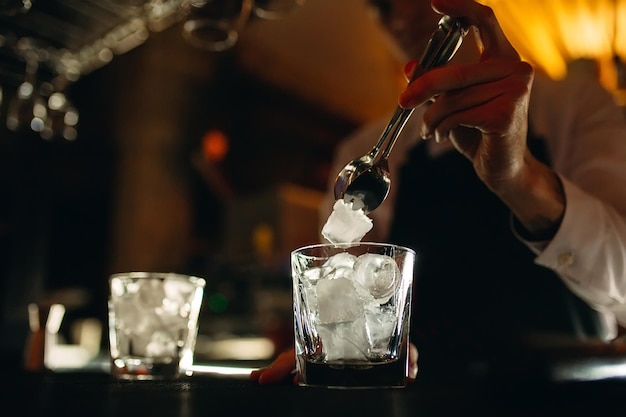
550	34
214	145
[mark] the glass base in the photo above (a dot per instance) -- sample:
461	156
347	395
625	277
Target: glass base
137	369
351	375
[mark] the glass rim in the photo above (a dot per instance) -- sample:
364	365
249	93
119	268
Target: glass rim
351	245
198	281
192	32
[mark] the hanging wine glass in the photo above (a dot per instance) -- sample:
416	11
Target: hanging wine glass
214	25
275	9
62	116
40	114
24	109
14	7
70	120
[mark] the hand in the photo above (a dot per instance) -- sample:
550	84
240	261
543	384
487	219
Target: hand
283	367
482	107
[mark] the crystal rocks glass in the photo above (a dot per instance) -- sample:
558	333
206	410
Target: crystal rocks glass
153	324
352	306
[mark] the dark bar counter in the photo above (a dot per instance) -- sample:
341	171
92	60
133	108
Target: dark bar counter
95	393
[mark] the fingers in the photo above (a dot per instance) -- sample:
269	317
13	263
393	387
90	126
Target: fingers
490	112
497	52
409	68
458	77
413	355
279	370
492	37
255	375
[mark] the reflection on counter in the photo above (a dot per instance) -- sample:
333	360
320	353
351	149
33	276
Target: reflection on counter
222	370
233	348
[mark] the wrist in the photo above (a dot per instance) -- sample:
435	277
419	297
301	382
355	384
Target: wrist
537	202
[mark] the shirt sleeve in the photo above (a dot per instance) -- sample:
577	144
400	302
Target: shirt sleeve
588	146
590	256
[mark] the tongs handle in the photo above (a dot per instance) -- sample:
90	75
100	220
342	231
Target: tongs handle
442	45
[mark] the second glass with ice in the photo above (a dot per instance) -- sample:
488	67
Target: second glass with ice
352	306
153	324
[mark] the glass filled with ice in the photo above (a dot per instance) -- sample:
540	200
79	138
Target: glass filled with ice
153	324
352	304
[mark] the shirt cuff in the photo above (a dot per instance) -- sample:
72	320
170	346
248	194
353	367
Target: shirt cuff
537	246
559	253
575	248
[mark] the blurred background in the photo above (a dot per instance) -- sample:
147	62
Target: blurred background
195	136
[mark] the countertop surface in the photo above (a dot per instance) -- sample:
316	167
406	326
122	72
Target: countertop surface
93	393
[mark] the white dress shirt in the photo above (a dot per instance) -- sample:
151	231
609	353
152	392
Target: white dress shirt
585	135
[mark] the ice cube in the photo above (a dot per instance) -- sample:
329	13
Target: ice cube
309	294
339	266
344	341
378	275
150	294
345	225
146	323
307	280
380	325
341	260
161	345
177	290
127	315
311	275
337	301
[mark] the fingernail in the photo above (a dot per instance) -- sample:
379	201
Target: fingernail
409	68
426	134
263	379
441	137
405	101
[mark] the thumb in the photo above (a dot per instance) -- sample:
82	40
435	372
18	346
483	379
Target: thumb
493	40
